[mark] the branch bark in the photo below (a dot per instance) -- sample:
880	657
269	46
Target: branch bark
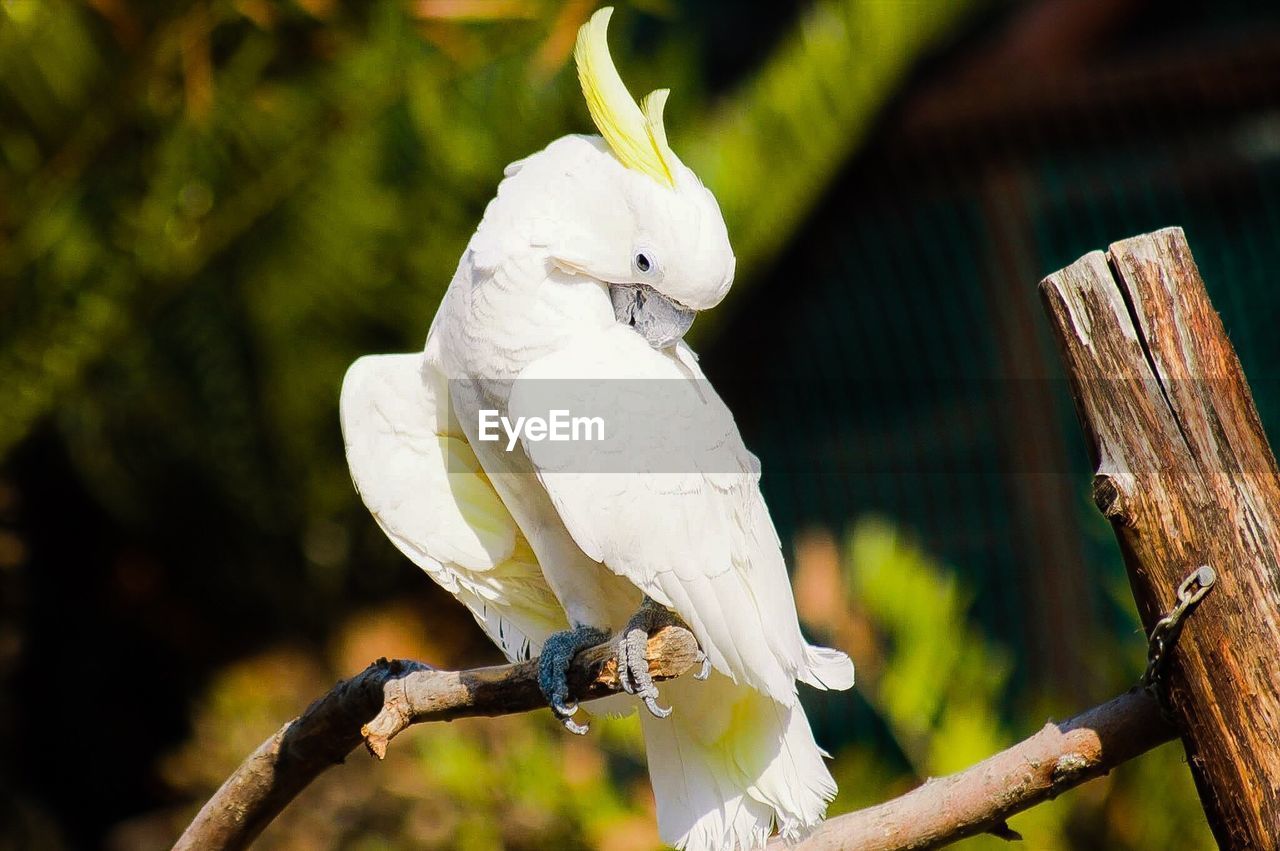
979	799
389	696
1186	477
377	704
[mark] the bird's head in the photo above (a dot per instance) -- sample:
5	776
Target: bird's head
665	253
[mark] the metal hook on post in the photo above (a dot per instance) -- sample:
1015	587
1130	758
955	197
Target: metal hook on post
1165	634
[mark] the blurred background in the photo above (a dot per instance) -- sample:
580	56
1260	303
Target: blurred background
209	209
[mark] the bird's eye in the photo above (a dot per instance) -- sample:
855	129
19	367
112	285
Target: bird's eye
645	264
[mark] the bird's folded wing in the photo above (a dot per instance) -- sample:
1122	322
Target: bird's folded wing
670	499
420	478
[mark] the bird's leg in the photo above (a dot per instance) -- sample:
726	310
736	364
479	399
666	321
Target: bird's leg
553	669
633	664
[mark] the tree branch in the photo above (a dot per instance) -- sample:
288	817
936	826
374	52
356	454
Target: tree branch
979	799
384	699
388	696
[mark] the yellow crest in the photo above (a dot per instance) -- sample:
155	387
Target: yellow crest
634	133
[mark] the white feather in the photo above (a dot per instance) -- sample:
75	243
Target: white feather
419	478
732	765
695	535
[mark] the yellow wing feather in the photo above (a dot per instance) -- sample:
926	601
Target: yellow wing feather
635	135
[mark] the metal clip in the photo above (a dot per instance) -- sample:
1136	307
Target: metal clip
1165	634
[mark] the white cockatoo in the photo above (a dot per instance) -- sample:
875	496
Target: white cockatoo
585	272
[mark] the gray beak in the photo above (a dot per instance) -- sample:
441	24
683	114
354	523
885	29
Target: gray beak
655	317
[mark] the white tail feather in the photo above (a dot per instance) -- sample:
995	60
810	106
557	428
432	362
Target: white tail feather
730	764
828	669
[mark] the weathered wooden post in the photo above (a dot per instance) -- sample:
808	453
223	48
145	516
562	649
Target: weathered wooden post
1185	474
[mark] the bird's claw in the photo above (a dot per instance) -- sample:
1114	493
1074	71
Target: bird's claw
651	701
633	664
574	727
564	712
553	669
704	673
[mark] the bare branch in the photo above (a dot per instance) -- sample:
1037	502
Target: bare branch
388	696
384	699
979	799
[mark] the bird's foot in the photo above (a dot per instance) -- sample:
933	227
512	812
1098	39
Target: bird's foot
633	663
553	670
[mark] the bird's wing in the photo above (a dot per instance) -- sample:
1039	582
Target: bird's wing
420	478
670	499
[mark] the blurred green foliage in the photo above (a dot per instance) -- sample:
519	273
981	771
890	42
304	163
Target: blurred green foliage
941	689
202	239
